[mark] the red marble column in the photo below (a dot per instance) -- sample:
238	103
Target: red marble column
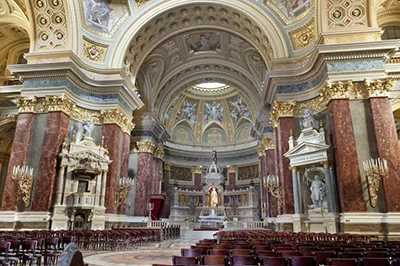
388	148
55	133
285	126
261	163
232	178
111	134
167	191
344	146
270	169
155	183
19	154
144	176
276	161
124	164
197	181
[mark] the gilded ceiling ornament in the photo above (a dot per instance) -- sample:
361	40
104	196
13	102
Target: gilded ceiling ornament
281	109
303	36
232	169
269	144
148	147
141	2
94	52
115	116
159	153
378	88
167	166
58	103
27	105
260	150
337	90
198	169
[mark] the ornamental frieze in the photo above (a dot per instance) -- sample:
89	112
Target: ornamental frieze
281	109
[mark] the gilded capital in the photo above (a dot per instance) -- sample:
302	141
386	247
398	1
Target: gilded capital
294	169
260	149
269	144
378	88
198	169
27	105
58	104
337	90
115	116
281	109
167	166
159	153
148	147
327	164
232	169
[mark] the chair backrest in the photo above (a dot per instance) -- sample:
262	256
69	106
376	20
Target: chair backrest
214	260
243	260
376	254
188	252
354	249
375	262
290	253
308	250
395	262
4	248
303	261
273	261
342	262
266	253
261	247
184	260
240	252
223	252
321	256
351	254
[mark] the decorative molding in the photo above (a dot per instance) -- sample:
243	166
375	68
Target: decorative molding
281	109
115	116
260	150
167	166
198	169
148	147
27	105
303	36
58	104
94	51
378	88
159	153
337	90
140	3
269	144
232	169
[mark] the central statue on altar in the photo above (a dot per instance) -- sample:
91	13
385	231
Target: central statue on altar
214	197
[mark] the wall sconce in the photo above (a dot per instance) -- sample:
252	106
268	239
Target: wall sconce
124	186
375	169
271	182
150	207
24	176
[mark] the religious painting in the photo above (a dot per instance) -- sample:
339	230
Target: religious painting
239	109
290	8
182	134
248	172
214	136
244	133
181	173
188	112
104	15
214	111
205	41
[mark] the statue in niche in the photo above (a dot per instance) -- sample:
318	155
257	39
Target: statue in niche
308	121
213	197
88	128
318	193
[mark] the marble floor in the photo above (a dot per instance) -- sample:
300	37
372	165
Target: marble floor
159	253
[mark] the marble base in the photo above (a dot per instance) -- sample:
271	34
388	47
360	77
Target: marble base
11	220
387	224
60	219
308	223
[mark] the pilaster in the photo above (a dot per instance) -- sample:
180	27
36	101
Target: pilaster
167	190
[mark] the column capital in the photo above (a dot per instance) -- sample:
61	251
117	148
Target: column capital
27	105
198	169
269	144
148	147
260	149
159	153
378	88
232	169
58	104
281	109
327	164
294	169
336	90
167	166
115	116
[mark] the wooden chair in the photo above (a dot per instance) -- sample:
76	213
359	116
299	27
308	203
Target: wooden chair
274	261
290	253
346	255
336	249
266	253
306	251
243	260
188	252
374	262
354	249
223	252
342	262
240	252
28	253
376	254
321	256
184	260
303	261
214	260
4	254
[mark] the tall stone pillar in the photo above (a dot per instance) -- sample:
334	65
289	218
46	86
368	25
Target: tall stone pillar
344	147
198	171
19	153
232	169
387	143
126	141
167	190
296	191
144	177
157	172
262	173
272	204
283	122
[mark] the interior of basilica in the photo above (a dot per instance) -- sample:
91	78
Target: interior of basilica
281	115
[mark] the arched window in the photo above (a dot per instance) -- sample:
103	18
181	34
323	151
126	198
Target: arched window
391	32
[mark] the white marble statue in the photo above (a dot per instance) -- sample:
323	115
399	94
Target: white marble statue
308	120
214	198
88	128
318	192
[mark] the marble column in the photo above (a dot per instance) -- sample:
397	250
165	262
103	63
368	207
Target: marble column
157	170
232	176
167	190
344	147
262	173
112	134
296	191
19	154
144	177
126	141
197	178
388	148
55	133
330	189
270	170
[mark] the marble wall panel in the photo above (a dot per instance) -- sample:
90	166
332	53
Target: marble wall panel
232	181
19	153
197	182
143	180
167	191
270	169
346	161
55	133
155	183
125	149
112	136
285	125
388	148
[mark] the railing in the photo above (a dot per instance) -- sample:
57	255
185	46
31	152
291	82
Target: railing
241	224
157	224
81	199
